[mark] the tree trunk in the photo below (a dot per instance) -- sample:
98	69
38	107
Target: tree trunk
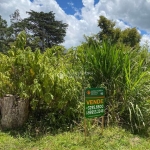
14	111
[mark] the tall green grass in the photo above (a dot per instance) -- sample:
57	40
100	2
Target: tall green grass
124	72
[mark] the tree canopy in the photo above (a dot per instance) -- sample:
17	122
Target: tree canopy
129	36
46	28
3	35
42	29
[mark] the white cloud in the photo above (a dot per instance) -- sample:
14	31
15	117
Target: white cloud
121	24
145	39
88	3
135	12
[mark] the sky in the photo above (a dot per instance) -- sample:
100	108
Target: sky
82	15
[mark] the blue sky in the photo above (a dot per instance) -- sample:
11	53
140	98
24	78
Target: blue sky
82	15
69	6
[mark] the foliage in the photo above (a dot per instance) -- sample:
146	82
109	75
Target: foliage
9	34
16	25
107	27
53	81
42	29
3	35
46	79
130	36
4	73
125	75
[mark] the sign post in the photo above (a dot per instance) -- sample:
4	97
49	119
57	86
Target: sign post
94	103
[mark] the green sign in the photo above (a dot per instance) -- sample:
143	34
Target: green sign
94	102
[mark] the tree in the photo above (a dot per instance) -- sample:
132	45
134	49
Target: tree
3	35
44	28
9	34
16	25
129	36
107	28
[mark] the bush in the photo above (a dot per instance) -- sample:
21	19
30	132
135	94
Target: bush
46	79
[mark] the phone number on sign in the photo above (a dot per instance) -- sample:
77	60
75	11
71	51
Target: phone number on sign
95	107
91	112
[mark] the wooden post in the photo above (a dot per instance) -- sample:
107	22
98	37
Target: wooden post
85	128
102	124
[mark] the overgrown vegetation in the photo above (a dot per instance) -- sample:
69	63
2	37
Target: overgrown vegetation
54	79
124	72
46	79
